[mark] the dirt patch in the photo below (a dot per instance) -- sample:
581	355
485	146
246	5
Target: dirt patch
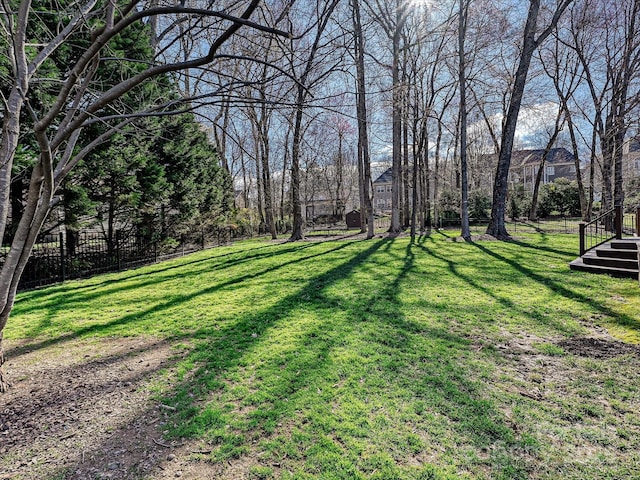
84	410
597	347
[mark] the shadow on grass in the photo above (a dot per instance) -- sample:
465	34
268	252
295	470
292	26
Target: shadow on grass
480	284
433	372
173	301
353	381
72	295
544	248
561	289
398	355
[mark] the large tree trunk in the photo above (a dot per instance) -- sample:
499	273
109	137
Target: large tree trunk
266	182
396	160
497	227
462	83
8	147
298	222
436	176
38	205
363	128
285	166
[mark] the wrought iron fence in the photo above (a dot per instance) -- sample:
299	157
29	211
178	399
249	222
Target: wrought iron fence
558	224
56	258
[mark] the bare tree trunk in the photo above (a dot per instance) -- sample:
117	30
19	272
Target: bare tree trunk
259	177
301	95
405	167
414	192
285	166
396	161
462	84
363	125
298	222
592	172
266	182
339	200
426	182
497	227
584	205
436	176
38	205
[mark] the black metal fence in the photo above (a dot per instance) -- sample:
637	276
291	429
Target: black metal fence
56	258
569	225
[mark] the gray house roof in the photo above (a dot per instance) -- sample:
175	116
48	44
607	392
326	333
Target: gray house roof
384	178
555	156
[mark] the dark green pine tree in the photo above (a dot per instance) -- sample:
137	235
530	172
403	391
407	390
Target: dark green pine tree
202	190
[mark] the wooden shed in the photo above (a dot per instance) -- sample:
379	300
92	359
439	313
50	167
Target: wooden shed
353	219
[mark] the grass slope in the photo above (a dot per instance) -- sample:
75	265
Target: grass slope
378	359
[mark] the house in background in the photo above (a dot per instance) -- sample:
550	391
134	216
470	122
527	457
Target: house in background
382	192
560	163
631	157
322	209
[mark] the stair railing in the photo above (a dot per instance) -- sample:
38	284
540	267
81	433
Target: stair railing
609	225
600	230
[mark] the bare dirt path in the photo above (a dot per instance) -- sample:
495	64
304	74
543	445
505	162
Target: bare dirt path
84	410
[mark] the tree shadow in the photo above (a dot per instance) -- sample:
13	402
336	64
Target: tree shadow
560	289
72	294
480	283
335	369
173	301
413	357
219	351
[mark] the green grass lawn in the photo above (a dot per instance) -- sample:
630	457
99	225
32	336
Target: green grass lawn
378	359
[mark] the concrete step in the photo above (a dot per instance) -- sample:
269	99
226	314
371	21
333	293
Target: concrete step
625	244
592	258
579	264
606	251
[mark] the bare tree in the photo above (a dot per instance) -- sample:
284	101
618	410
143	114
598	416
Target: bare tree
364	161
563	69
304	79
530	44
462	85
611	73
79	103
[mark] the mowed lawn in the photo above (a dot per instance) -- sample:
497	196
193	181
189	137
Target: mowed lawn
379	359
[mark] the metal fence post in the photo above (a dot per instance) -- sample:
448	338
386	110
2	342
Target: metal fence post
638	221
62	259
583	227
118	259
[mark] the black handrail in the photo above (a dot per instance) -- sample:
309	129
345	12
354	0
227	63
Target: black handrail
600	230
611	224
